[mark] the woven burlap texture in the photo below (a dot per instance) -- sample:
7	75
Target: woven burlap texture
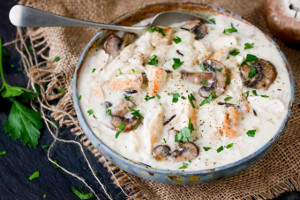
275	173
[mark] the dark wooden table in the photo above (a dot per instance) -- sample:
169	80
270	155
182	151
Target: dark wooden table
21	161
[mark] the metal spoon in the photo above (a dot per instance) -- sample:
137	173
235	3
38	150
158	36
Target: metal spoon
24	16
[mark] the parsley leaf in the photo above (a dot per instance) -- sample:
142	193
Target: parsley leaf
46	146
230	30
177	40
220	69
137	125
206	148
153	60
14	91
209	99
158	96
177	63
127	98
252	72
202	67
165	141
90	111
94	69
234	52
135	113
133	71
247	94
147	98
120	72
109	111
184	166
79	98
229	145
82	195
62	90
265	96
227	79
213	20
247	46
35	175
254	92
185	133
2	153
175	97
203	83
157	29
250	58
221	148
251	133
227	99
55	165
191	99
44	196
120	127
56	59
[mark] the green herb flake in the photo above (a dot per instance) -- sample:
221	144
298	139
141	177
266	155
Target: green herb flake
44	196
153	60
29	47
227	79
90	111
229	145
182	97
265	96
94	69
165	141
247	46
254	92
220	69
55	164
184	166
191	99
109	111
46	146
79	98
135	113
230	30
213	20
175	97
2	153
127	98
120	72
190	161
234	52
203	83
251	133
247	94
177	63
252	72
157	29
177	40
82	195
202	67
35	175
120	127
158	96
56	59
221	148
62	90
227	99
250	58
12	65
206	148
147	98
133	71
185	133
209	99
137	125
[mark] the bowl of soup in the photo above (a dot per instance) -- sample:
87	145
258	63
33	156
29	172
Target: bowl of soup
185	103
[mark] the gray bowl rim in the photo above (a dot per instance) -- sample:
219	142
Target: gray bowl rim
111	153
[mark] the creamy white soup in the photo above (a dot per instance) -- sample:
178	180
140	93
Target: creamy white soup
191	96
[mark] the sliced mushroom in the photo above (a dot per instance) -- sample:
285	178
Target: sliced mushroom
196	77
186	151
128	39
112	45
265	74
196	27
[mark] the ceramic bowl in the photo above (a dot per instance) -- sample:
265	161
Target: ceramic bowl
170	176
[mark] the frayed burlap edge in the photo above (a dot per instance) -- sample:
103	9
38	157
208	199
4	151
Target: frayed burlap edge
63	111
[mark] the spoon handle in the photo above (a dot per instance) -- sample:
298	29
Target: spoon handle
24	16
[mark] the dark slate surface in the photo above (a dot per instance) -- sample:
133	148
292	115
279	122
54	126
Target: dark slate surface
21	161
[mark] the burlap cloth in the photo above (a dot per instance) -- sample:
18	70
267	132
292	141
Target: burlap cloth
275	173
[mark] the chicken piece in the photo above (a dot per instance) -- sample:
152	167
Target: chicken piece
230	123
127	82
224	42
266	104
156	78
162	37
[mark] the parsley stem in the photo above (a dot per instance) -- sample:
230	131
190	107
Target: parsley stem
1	68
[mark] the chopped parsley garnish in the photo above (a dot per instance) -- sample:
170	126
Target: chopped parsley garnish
29	47
55	164
247	46
157	29
250	58
254	92
120	127
56	59
203	83
251	133
133	71
191	99
247	94
153	60
202	67
184	166
177	63
185	133
265	96
81	194
230	30
234	52
90	111
227	99
94	69
209	99
44	196
221	148
46	146
229	146
147	98
135	113
175	97
183	97
206	148
109	111
137	125
228	79
120	72
79	98
165	141
190	161
177	40
220	69
213	20
252	72
62	90
2	153
35	175
127	98
158	96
